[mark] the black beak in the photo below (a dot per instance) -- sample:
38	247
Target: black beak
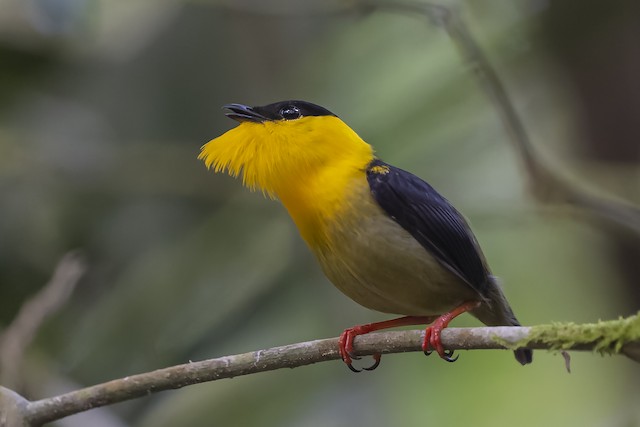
244	113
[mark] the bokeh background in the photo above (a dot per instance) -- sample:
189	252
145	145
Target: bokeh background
105	104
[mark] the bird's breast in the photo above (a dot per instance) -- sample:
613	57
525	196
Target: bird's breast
376	262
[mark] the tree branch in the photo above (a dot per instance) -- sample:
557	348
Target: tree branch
17	336
547	184
616	336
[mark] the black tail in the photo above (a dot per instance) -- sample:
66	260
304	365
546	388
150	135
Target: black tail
497	312
524	356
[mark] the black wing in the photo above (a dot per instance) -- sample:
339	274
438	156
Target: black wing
431	220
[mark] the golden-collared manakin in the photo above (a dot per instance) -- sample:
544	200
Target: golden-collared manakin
383	236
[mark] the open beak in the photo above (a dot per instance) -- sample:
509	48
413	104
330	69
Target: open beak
244	113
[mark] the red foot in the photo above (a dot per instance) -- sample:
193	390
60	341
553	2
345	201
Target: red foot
345	343
432	333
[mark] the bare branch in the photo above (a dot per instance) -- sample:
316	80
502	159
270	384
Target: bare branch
546	183
12	409
620	335
17	336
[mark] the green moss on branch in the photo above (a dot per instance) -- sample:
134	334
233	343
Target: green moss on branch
605	337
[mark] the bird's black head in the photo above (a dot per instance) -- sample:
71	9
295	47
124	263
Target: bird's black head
284	110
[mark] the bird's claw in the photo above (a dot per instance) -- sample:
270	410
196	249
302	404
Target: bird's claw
432	341
448	354
376	362
350	366
345	345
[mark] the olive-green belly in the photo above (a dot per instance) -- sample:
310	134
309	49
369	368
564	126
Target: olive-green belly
378	264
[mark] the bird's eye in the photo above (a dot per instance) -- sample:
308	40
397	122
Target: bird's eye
290	113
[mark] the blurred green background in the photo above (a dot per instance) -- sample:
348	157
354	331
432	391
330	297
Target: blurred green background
105	104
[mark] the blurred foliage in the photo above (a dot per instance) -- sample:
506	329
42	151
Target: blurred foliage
104	107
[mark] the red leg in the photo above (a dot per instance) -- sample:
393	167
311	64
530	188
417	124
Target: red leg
432	333
346	338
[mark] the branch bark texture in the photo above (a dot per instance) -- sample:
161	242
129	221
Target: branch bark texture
42	411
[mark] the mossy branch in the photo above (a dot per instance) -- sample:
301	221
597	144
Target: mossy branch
611	337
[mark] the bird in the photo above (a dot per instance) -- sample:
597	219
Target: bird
383	236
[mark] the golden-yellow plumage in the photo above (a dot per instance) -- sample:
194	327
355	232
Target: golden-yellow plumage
306	164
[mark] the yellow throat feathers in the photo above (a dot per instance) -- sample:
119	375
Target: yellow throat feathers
309	164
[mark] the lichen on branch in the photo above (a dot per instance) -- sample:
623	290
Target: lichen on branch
604	337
